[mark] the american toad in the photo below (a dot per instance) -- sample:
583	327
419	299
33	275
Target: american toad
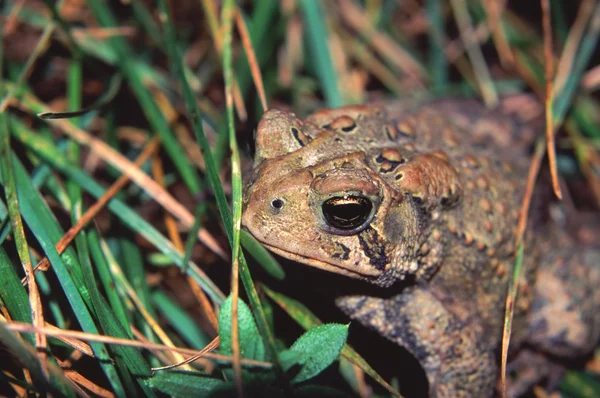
428	194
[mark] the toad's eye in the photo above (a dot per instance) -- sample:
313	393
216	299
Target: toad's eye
277	204
347	213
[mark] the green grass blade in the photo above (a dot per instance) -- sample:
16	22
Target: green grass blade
14	215
50	154
131	357
107	280
584	53
236	174
5	380
127	252
438	66
480	68
212	172
17	88
20	239
580	385
513	287
262	255
153	113
196	119
215	183
227	15
47	232
135	362
559	22
584	112
52	302
42	176
58	385
261	31
316	30
181	321
193	233
13	294
146	20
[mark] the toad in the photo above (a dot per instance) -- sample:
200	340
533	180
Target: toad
427	193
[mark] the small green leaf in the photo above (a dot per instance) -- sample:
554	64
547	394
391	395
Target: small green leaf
251	344
197	385
307	319
319	347
309	391
288	359
185	384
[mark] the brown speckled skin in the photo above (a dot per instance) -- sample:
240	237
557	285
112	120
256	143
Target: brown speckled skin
446	179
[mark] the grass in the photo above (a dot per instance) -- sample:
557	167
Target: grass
146	113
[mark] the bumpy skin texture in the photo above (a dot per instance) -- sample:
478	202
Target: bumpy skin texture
445	182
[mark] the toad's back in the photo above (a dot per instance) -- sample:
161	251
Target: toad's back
383	192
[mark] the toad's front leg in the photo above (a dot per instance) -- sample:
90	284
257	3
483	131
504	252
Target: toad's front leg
455	363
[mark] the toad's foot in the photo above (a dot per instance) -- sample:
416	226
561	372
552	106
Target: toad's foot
455	364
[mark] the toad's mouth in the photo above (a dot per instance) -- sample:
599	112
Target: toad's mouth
335	268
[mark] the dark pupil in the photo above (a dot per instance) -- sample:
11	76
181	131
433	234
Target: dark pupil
346	212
